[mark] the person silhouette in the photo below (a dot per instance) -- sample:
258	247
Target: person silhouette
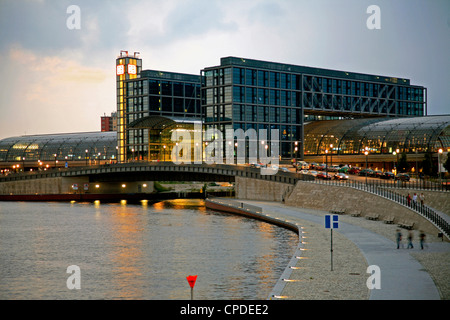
410	237
399	239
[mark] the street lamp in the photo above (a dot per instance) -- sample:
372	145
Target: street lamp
367	156
331	150
296	155
440	151
85	157
326	163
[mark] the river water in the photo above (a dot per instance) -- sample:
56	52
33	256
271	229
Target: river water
137	251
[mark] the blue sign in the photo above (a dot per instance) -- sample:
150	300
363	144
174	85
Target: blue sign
331	221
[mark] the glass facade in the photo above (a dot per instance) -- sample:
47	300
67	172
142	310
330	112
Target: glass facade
380	136
127	67
243	93
156	93
161	146
72	147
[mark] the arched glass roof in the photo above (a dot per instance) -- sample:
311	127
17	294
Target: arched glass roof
160	122
69	146
380	135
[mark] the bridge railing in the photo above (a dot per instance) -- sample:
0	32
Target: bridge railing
218	169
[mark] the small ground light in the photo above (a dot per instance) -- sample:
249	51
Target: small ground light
124	185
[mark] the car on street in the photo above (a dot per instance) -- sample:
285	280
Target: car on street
402	177
313	165
354	170
284	169
364	172
323	175
377	173
333	168
340	176
313	173
388	175
344	169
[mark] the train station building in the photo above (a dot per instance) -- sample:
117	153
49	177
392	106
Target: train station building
317	112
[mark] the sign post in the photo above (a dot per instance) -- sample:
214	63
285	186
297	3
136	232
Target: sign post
331	222
191	280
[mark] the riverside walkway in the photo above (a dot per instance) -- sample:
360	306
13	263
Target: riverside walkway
405	274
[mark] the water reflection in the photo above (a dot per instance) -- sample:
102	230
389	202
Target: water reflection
138	251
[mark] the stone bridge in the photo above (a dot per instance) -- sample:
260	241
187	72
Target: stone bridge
136	175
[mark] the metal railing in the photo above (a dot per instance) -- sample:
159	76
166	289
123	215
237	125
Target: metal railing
382	190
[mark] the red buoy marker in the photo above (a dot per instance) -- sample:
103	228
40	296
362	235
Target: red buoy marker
191	280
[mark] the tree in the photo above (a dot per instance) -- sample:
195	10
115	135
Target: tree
403	165
428	167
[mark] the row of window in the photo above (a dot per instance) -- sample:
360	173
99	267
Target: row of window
166	88
272	79
252	113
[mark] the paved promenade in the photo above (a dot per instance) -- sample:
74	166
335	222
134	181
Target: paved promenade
405	274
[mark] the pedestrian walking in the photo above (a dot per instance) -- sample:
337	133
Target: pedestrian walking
414	200
399	239
422	239
408	198
410	237
422	198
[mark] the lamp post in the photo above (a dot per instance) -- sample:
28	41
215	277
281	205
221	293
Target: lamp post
326	163
331	153
55	155
440	151
296	155
85	156
367	156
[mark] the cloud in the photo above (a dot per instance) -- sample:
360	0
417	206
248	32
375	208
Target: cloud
52	94
56	79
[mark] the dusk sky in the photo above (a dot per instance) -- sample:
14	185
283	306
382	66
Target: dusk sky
58	80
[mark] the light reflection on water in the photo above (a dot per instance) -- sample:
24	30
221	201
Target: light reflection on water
137	251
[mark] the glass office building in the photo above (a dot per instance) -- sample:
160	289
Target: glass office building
152	93
243	93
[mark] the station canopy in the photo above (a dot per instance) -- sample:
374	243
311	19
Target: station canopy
379	135
67	146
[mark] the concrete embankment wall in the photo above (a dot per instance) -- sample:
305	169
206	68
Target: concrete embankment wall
63	185
57	185
326	197
256	189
